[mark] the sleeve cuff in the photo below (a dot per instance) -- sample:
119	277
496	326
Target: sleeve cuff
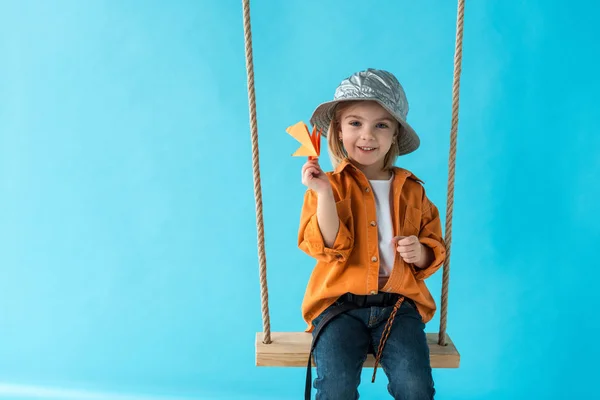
340	249
439	254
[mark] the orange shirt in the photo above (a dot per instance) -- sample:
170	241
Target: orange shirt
351	264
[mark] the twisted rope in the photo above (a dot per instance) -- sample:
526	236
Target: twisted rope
255	166
451	169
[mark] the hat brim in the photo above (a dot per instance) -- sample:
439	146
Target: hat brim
408	140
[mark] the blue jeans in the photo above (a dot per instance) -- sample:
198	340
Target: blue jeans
345	341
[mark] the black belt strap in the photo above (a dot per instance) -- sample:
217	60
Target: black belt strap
331	314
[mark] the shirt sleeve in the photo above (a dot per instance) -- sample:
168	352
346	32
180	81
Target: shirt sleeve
310	239
430	234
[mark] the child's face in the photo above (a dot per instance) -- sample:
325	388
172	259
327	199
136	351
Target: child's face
367	133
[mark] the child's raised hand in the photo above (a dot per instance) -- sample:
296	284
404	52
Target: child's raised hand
314	177
410	249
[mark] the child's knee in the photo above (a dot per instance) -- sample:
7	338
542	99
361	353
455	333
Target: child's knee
337	381
412	384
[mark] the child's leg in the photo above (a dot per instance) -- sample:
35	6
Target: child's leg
340	353
405	357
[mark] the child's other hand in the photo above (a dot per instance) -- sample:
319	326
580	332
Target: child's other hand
410	249
314	177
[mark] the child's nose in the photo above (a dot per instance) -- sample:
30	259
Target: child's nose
367	133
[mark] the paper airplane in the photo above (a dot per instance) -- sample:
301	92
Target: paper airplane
311	142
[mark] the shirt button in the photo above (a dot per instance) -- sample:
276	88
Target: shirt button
367	190
373	223
373	258
373	292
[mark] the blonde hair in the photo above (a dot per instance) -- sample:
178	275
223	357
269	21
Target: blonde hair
335	147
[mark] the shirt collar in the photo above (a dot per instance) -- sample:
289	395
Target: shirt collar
346	163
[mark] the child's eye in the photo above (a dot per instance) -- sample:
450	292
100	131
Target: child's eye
354	123
382	126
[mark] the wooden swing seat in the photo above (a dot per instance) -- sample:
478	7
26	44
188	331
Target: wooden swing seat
290	349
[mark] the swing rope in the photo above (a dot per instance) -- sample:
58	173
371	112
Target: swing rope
257	184
451	169
264	291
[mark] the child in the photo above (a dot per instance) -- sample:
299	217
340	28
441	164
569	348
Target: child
376	237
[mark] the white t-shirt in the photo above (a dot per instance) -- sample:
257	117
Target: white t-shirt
387	251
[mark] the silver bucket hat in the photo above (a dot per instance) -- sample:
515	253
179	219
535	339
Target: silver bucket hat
377	85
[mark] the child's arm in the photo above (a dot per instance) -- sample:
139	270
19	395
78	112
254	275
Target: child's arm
430	236
327	218
425	251
326	231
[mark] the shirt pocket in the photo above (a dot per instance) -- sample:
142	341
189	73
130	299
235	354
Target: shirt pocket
412	221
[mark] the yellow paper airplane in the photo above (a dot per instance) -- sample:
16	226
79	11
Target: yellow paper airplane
311	142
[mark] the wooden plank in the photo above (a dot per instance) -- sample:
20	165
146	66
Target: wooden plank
290	349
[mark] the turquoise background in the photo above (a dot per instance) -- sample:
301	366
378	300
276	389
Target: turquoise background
128	258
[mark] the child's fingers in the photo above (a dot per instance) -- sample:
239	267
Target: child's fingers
409	257
397	239
316	166
310	166
404	250
312	171
312	163
310	174
407	240
408	246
